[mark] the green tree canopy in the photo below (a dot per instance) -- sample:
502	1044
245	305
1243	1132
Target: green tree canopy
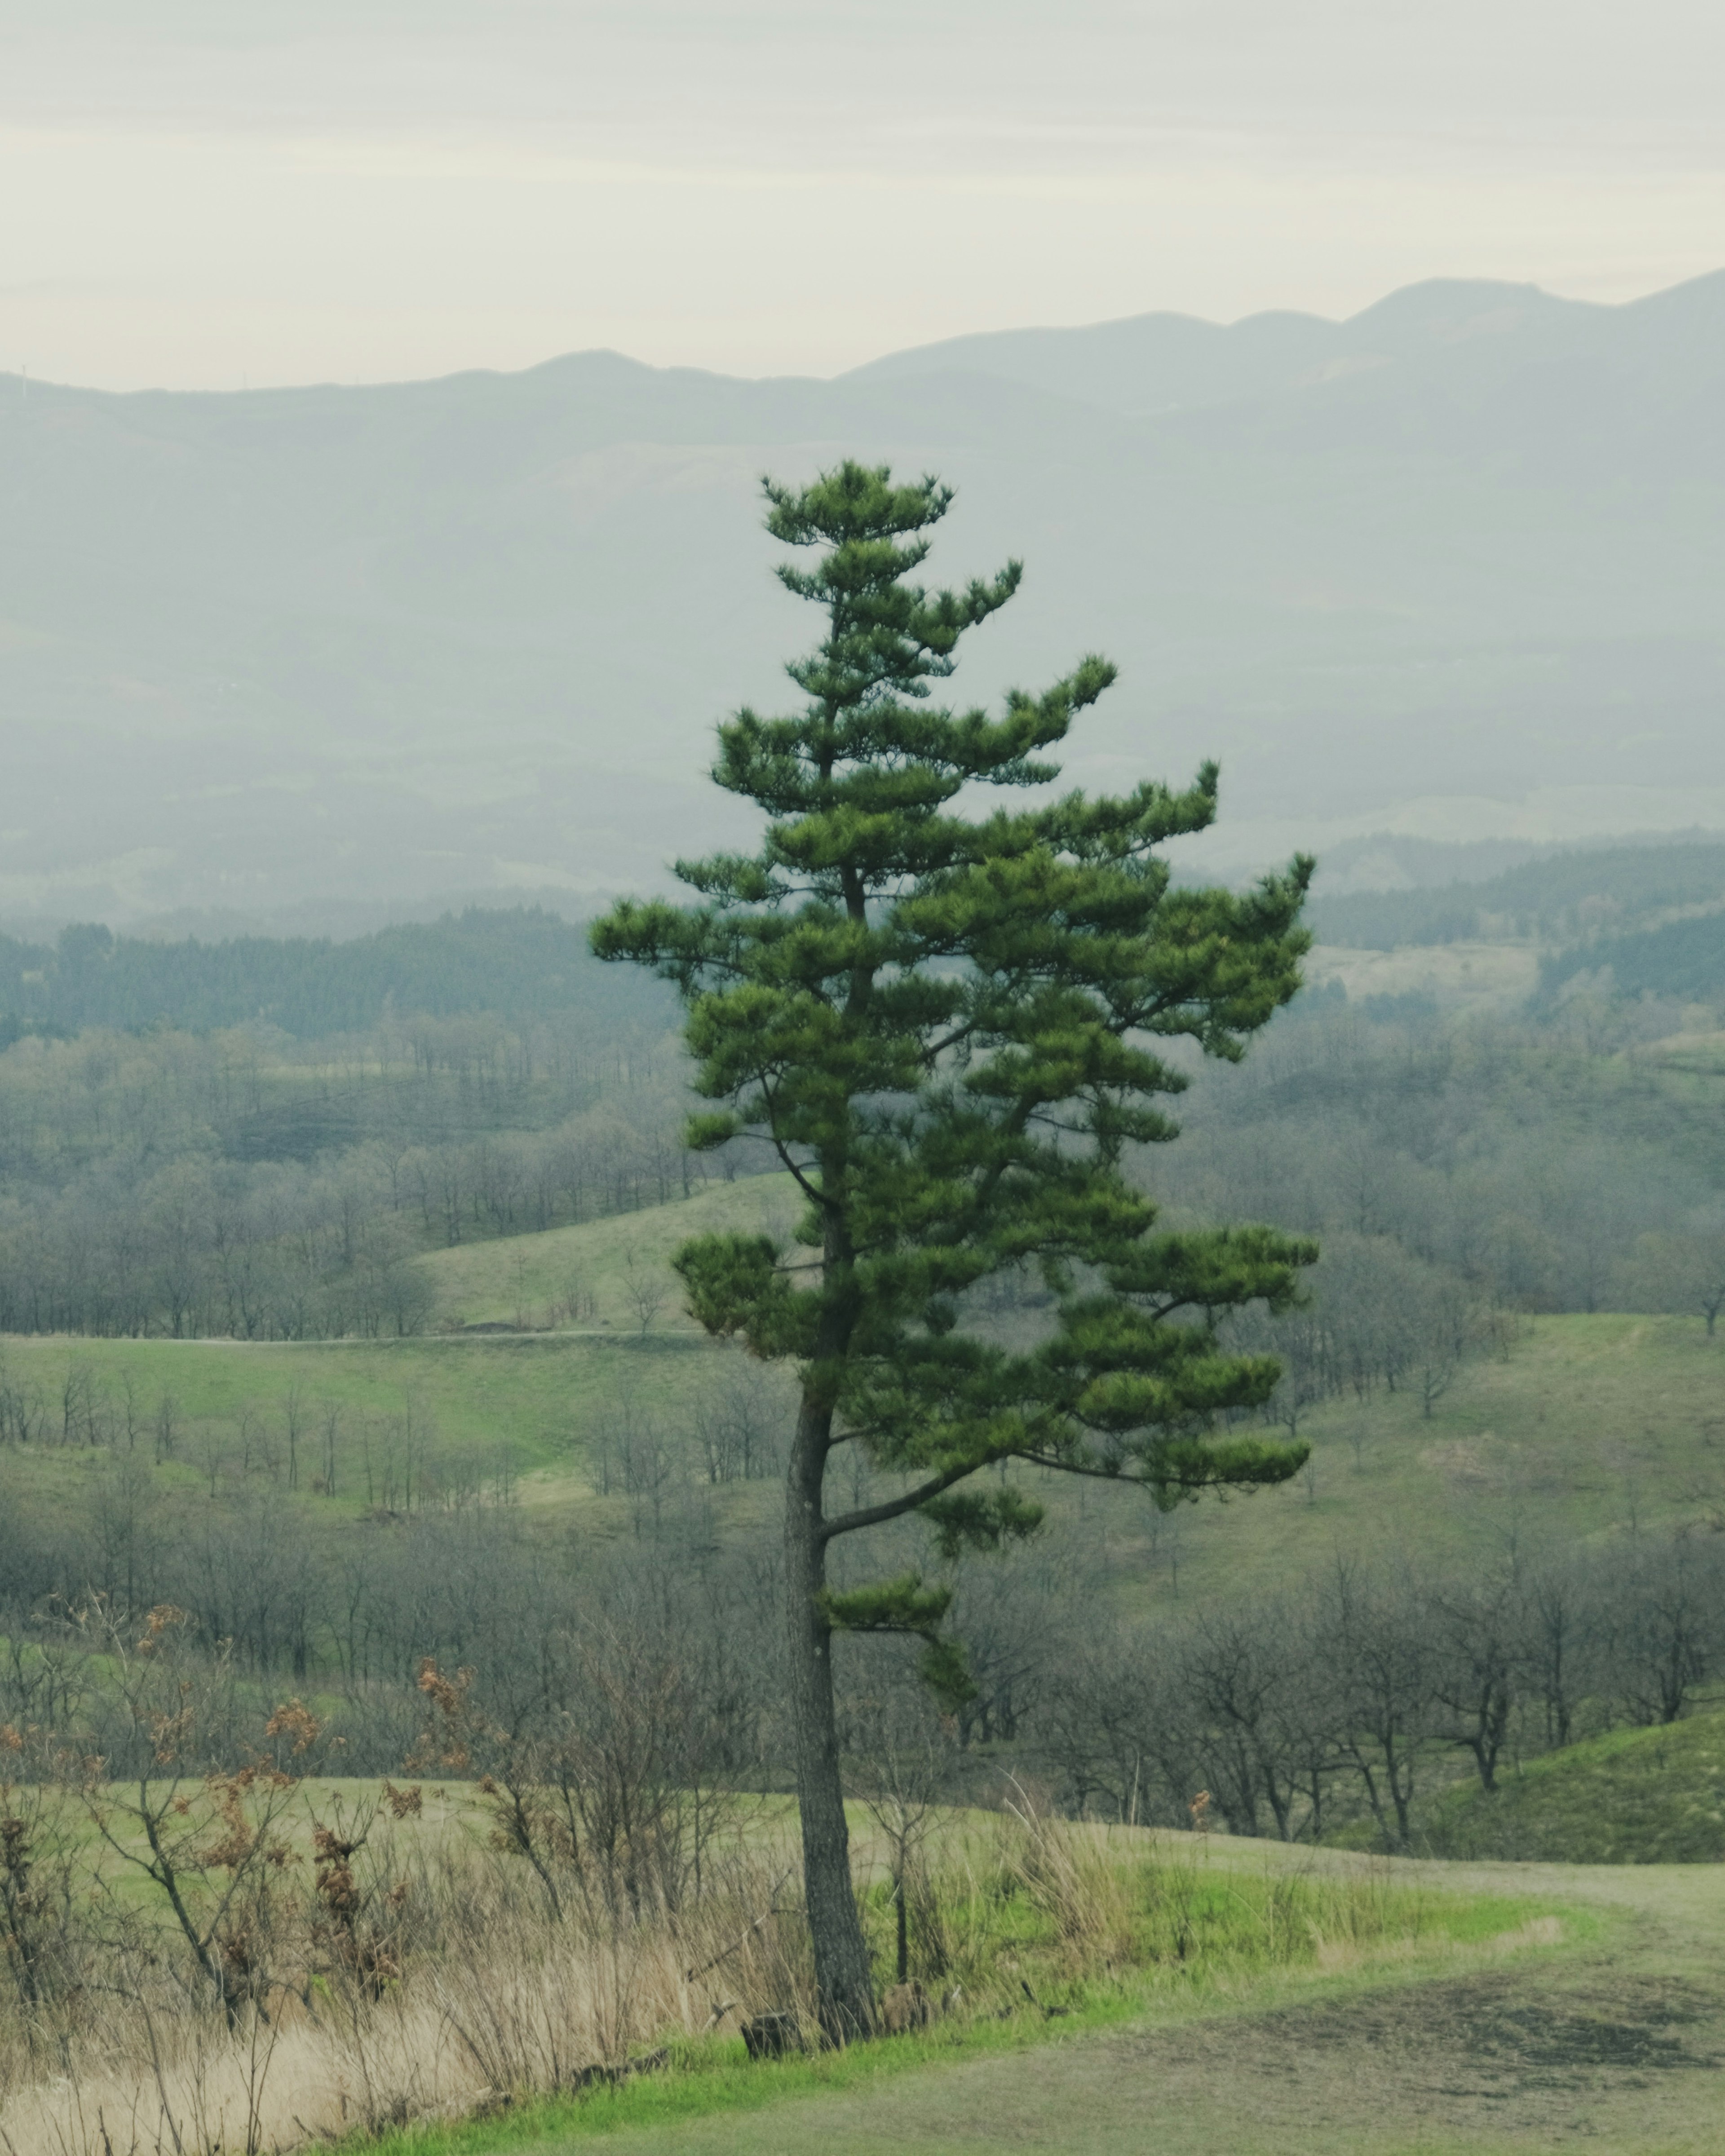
951	1024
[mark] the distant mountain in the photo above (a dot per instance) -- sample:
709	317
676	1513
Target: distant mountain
1153	364
261	652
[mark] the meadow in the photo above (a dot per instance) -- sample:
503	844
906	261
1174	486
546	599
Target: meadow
1598	2025
386	1958
1222	1991
1583	1425
1628	1796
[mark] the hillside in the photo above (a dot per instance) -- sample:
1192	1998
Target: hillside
1439	551
1681	961
1633	1796
1570	898
605	1275
1586	1423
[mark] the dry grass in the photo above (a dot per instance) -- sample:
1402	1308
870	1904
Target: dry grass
422	1971
483	1995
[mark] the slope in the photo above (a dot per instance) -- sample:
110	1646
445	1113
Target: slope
1588	1423
1633	1796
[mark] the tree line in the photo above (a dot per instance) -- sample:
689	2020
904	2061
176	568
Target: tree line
1350	1702
1482	1159
1564	898
240	1184
1357	1697
1679	961
519	963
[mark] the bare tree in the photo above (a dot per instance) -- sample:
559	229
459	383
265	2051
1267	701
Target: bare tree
1374	1632
1477	1636
643	1289
902	1778
1663	1631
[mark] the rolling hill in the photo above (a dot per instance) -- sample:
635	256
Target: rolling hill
1587	1422
1633	1796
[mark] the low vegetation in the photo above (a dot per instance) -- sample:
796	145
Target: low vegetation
202	1959
1650	1795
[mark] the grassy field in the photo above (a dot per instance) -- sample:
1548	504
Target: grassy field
1600	2021
1590	1423
1633	1796
615	1273
1587	1424
523	1408
1048	1934
1210	1995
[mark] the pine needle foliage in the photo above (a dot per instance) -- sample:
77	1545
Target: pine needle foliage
951	1023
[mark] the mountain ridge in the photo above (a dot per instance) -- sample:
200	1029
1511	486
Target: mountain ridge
387	642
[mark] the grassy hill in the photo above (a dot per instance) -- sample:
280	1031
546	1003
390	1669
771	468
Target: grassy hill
1634	1796
1588	1423
609	1275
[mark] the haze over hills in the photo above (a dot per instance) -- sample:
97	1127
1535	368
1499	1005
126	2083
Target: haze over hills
1449	568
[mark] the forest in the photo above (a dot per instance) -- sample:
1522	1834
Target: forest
242	1184
219	1171
1564	901
516	964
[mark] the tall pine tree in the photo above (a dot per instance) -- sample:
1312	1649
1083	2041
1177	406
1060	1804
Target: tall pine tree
948	1027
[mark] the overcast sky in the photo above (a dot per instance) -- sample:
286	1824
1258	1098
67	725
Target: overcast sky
199	193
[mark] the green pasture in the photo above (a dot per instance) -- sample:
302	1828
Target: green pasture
1632	1796
1588	1425
525	1406
532	1280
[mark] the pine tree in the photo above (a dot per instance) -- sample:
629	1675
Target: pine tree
947	1028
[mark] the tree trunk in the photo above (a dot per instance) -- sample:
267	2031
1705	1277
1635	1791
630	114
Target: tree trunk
841	1953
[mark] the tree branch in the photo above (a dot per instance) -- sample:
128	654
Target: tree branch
894	1508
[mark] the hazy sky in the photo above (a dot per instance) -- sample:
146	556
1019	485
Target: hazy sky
197	192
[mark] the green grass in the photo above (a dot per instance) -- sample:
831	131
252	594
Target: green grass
530	1279
712	2078
1589	1423
528	1406
1634	1796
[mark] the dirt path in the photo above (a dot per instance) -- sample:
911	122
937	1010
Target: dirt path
1617	2046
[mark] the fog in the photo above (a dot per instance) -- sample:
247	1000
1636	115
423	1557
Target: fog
200	194
1447	568
1391	476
